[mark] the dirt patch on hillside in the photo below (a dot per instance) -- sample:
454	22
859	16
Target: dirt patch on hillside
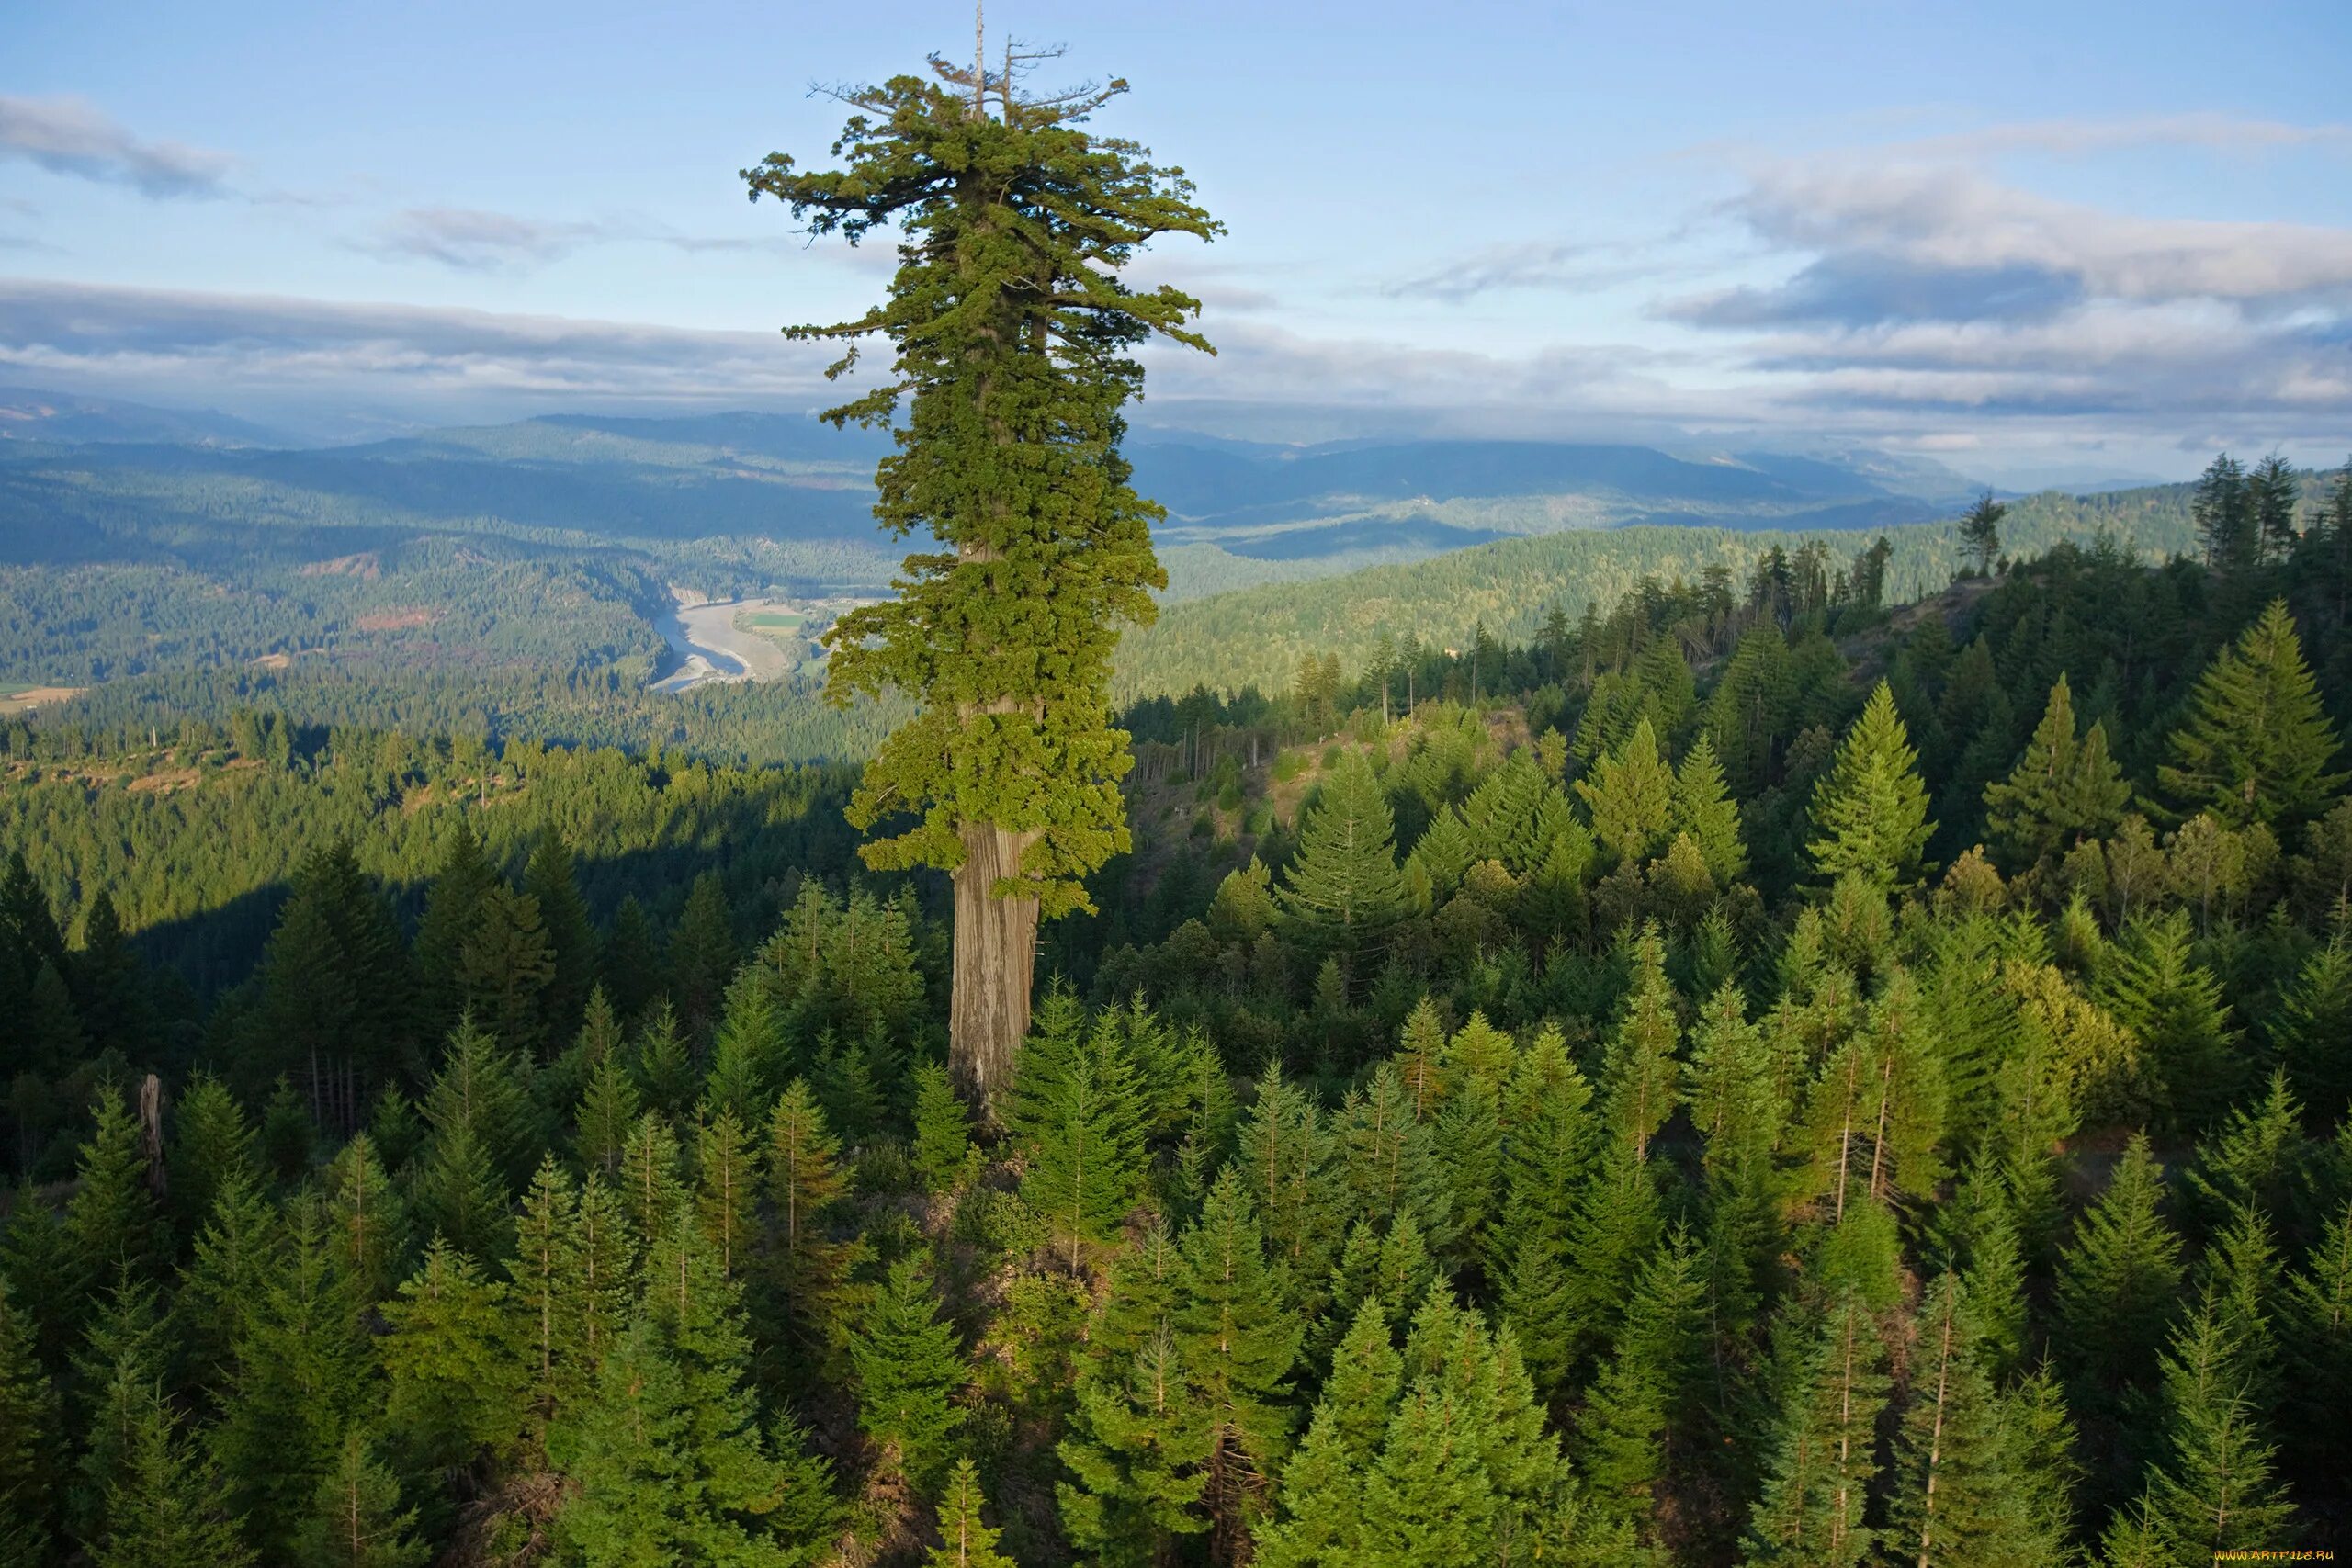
33	697
169	781
397	620
365	566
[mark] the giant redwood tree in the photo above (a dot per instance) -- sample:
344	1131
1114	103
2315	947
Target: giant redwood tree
1014	342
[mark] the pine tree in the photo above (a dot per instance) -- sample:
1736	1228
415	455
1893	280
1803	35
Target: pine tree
1342	893
1631	795
804	1182
1075	1112
910	1370
1870	810
943	1130
459	1195
2214	1490
629	961
1959	1496
115	1374
1825	1449
964	1540
2063	790
355	1519
1703	811
2316	1329
2256	743
703	952
456	1376
2311	1027
167	1511
548	880
1238	1346
664	1072
2174	1006
749	1054
1638	1079
30	1436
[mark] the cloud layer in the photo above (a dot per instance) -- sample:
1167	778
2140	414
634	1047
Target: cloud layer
71	136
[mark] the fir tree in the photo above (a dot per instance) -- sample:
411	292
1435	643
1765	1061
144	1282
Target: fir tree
167	1511
649	1186
703	952
1342	893
2226	524
964	1540
1703	811
1074	1110
1959	1496
2256	743
629	961
1135	1450
804	1182
1639	1400
1870	811
2214	1490
1631	795
943	1130
1322	1490
1238	1346
664	1072
371	1221
1287	1151
548	880
30	1436
452	908
212	1148
607	1110
910	1370
111	1221
1638	1088
356	1518
1825	1448
2175	1009
2064	790
456	1379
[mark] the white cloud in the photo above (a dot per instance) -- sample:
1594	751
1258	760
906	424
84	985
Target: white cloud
71	136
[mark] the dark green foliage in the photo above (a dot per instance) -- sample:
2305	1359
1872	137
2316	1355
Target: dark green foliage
910	1370
166	1511
2257	744
1342	893
1870	811
356	1520
1076	1114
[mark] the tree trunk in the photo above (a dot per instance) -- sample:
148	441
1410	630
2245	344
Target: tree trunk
996	958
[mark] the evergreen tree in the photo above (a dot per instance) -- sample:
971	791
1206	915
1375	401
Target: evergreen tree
1870	811
355	1519
631	962
1959	1496
30	1438
2214	1490
703	954
111	1222
2256	743
943	1130
1703	811
452	909
964	1540
804	1182
1342	892
212	1149
168	1509
664	1072
1135	1450
1638	1087
2174	1006
456	1377
1238	1346
371	1221
2226	524
1632	797
2063	790
506	968
910	1370
725	1189
1980	532
650	1188
1825	1449
608	1108
1637	1404
1322	1490
1074	1110
1006	638
548	880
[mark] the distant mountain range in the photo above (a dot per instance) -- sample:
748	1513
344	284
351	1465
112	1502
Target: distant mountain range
1237	512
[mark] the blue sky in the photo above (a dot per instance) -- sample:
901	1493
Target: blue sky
2025	240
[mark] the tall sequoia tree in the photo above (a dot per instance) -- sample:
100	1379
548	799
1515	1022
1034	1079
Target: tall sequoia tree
1014	343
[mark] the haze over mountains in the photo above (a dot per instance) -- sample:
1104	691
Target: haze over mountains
1296	510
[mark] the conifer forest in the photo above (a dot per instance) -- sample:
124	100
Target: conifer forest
1793	1050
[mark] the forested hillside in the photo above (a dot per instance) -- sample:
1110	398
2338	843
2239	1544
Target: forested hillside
1761	1073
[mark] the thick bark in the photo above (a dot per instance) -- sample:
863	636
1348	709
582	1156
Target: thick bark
995	959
